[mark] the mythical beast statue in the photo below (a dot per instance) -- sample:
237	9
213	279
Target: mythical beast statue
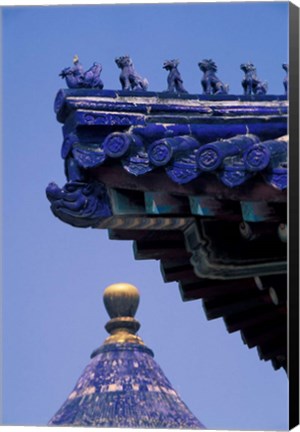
129	78
251	83
211	84
77	78
175	82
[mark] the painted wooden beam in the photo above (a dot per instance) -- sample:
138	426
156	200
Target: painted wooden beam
165	203
212	288
159	250
254	316
176	270
127	202
128	222
219	252
210	206
226	305
262	211
147	235
258	335
273	348
207	184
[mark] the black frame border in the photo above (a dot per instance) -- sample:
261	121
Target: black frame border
293	218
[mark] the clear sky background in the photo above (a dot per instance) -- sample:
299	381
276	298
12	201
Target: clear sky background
54	274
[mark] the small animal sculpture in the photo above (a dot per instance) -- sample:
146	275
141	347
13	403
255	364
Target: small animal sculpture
175	82
77	78
251	83
211	84
91	78
73	75
286	78
129	78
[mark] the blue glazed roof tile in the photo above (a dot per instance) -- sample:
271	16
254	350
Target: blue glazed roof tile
125	387
185	135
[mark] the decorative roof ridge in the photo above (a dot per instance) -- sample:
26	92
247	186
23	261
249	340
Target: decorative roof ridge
174	137
113	93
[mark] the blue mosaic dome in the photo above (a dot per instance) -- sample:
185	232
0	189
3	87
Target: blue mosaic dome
123	386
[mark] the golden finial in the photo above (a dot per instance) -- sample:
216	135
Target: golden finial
121	301
75	59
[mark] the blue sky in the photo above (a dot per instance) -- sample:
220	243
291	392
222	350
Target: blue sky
54	274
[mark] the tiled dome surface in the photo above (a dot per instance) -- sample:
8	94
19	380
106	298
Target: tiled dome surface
123	386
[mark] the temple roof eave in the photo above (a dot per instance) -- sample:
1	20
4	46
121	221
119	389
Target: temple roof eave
162	169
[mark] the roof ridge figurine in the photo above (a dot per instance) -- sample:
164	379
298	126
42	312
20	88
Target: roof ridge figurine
175	82
251	83
76	77
129	78
123	386
211	84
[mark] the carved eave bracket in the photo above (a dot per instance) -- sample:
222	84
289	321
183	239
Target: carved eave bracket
79	204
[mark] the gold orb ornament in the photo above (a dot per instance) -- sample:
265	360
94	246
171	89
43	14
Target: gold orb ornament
121	300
